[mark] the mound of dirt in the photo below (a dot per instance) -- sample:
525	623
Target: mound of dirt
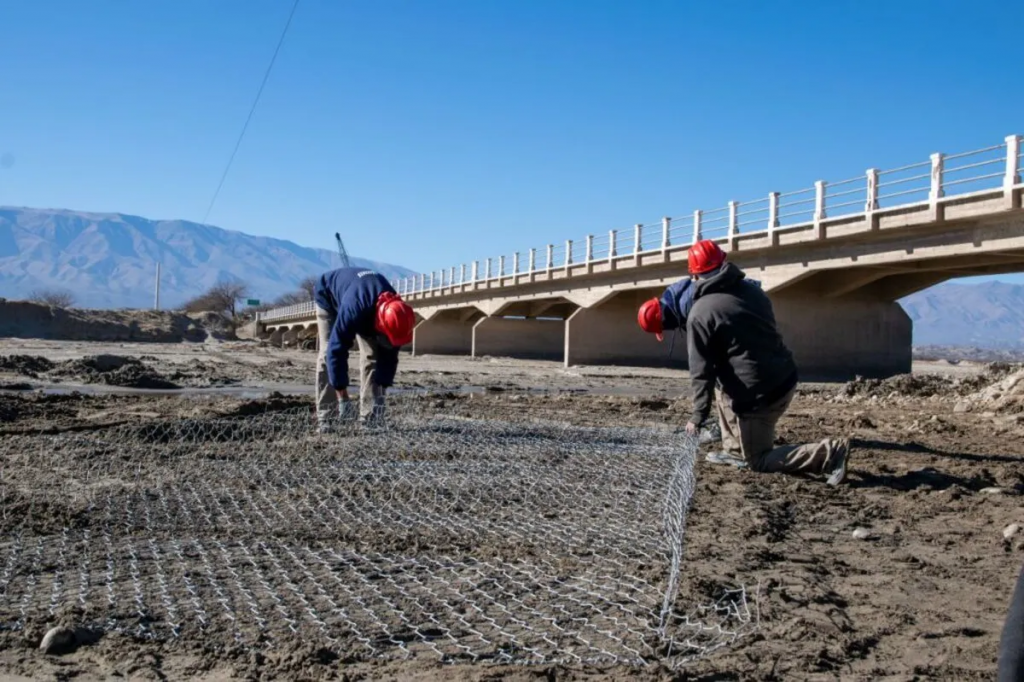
116	370
1005	396
916	386
25	320
113	370
26	365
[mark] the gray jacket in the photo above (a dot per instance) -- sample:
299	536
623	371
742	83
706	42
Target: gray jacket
733	341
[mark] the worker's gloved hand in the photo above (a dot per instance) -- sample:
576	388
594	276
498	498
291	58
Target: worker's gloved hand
347	411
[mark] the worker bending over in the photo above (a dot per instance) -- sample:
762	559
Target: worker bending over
737	354
361	306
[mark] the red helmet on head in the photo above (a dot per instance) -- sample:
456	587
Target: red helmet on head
395	319
649	318
705	256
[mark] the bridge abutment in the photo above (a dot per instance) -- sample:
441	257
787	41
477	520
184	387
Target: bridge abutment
527	338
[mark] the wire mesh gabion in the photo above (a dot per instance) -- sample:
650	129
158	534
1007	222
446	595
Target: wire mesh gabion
425	535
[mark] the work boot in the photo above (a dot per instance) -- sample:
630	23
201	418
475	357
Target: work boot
376	417
835	465
325	422
722	457
347	411
711	434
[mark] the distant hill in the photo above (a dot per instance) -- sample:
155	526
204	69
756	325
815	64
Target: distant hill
987	315
108	260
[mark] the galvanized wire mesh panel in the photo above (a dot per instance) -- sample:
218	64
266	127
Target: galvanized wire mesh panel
424	536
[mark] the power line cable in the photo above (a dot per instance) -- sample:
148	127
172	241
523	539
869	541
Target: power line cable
252	110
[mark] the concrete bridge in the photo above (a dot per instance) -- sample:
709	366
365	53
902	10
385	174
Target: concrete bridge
834	258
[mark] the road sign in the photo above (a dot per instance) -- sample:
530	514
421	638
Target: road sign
252	301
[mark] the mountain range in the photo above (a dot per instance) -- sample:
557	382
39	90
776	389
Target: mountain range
985	315
108	260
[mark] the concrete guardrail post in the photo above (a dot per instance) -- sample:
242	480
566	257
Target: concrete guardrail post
936	190
819	209
734	227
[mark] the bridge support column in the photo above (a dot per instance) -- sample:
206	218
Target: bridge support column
608	334
276	336
841	338
519	338
291	337
447	333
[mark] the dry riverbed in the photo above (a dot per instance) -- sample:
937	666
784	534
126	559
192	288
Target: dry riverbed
918	592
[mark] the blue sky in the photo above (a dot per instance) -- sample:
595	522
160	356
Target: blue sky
437	132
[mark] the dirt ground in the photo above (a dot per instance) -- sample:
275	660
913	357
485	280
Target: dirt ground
920	592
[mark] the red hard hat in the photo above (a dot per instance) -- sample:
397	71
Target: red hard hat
395	319
705	256
649	317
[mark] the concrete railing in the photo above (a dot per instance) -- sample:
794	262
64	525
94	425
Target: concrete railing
941	178
298	311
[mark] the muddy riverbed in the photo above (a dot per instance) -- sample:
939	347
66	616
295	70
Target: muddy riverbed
919	593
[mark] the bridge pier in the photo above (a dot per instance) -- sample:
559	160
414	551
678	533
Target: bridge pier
527	338
838	339
275	337
446	333
291	336
608	334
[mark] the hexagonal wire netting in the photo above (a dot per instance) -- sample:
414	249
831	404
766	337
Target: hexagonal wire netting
436	536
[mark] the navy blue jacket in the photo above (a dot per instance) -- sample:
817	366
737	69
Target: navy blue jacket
675	305
350	296
677	301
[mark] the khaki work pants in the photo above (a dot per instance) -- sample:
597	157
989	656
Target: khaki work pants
752	436
371	395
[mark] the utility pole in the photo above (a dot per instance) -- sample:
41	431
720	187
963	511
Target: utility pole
156	301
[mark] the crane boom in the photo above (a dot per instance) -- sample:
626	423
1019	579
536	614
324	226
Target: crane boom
341	251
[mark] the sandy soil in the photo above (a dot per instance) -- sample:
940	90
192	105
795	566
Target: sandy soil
935	479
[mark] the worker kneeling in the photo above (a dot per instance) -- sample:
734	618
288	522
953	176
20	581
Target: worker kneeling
735	350
354	305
